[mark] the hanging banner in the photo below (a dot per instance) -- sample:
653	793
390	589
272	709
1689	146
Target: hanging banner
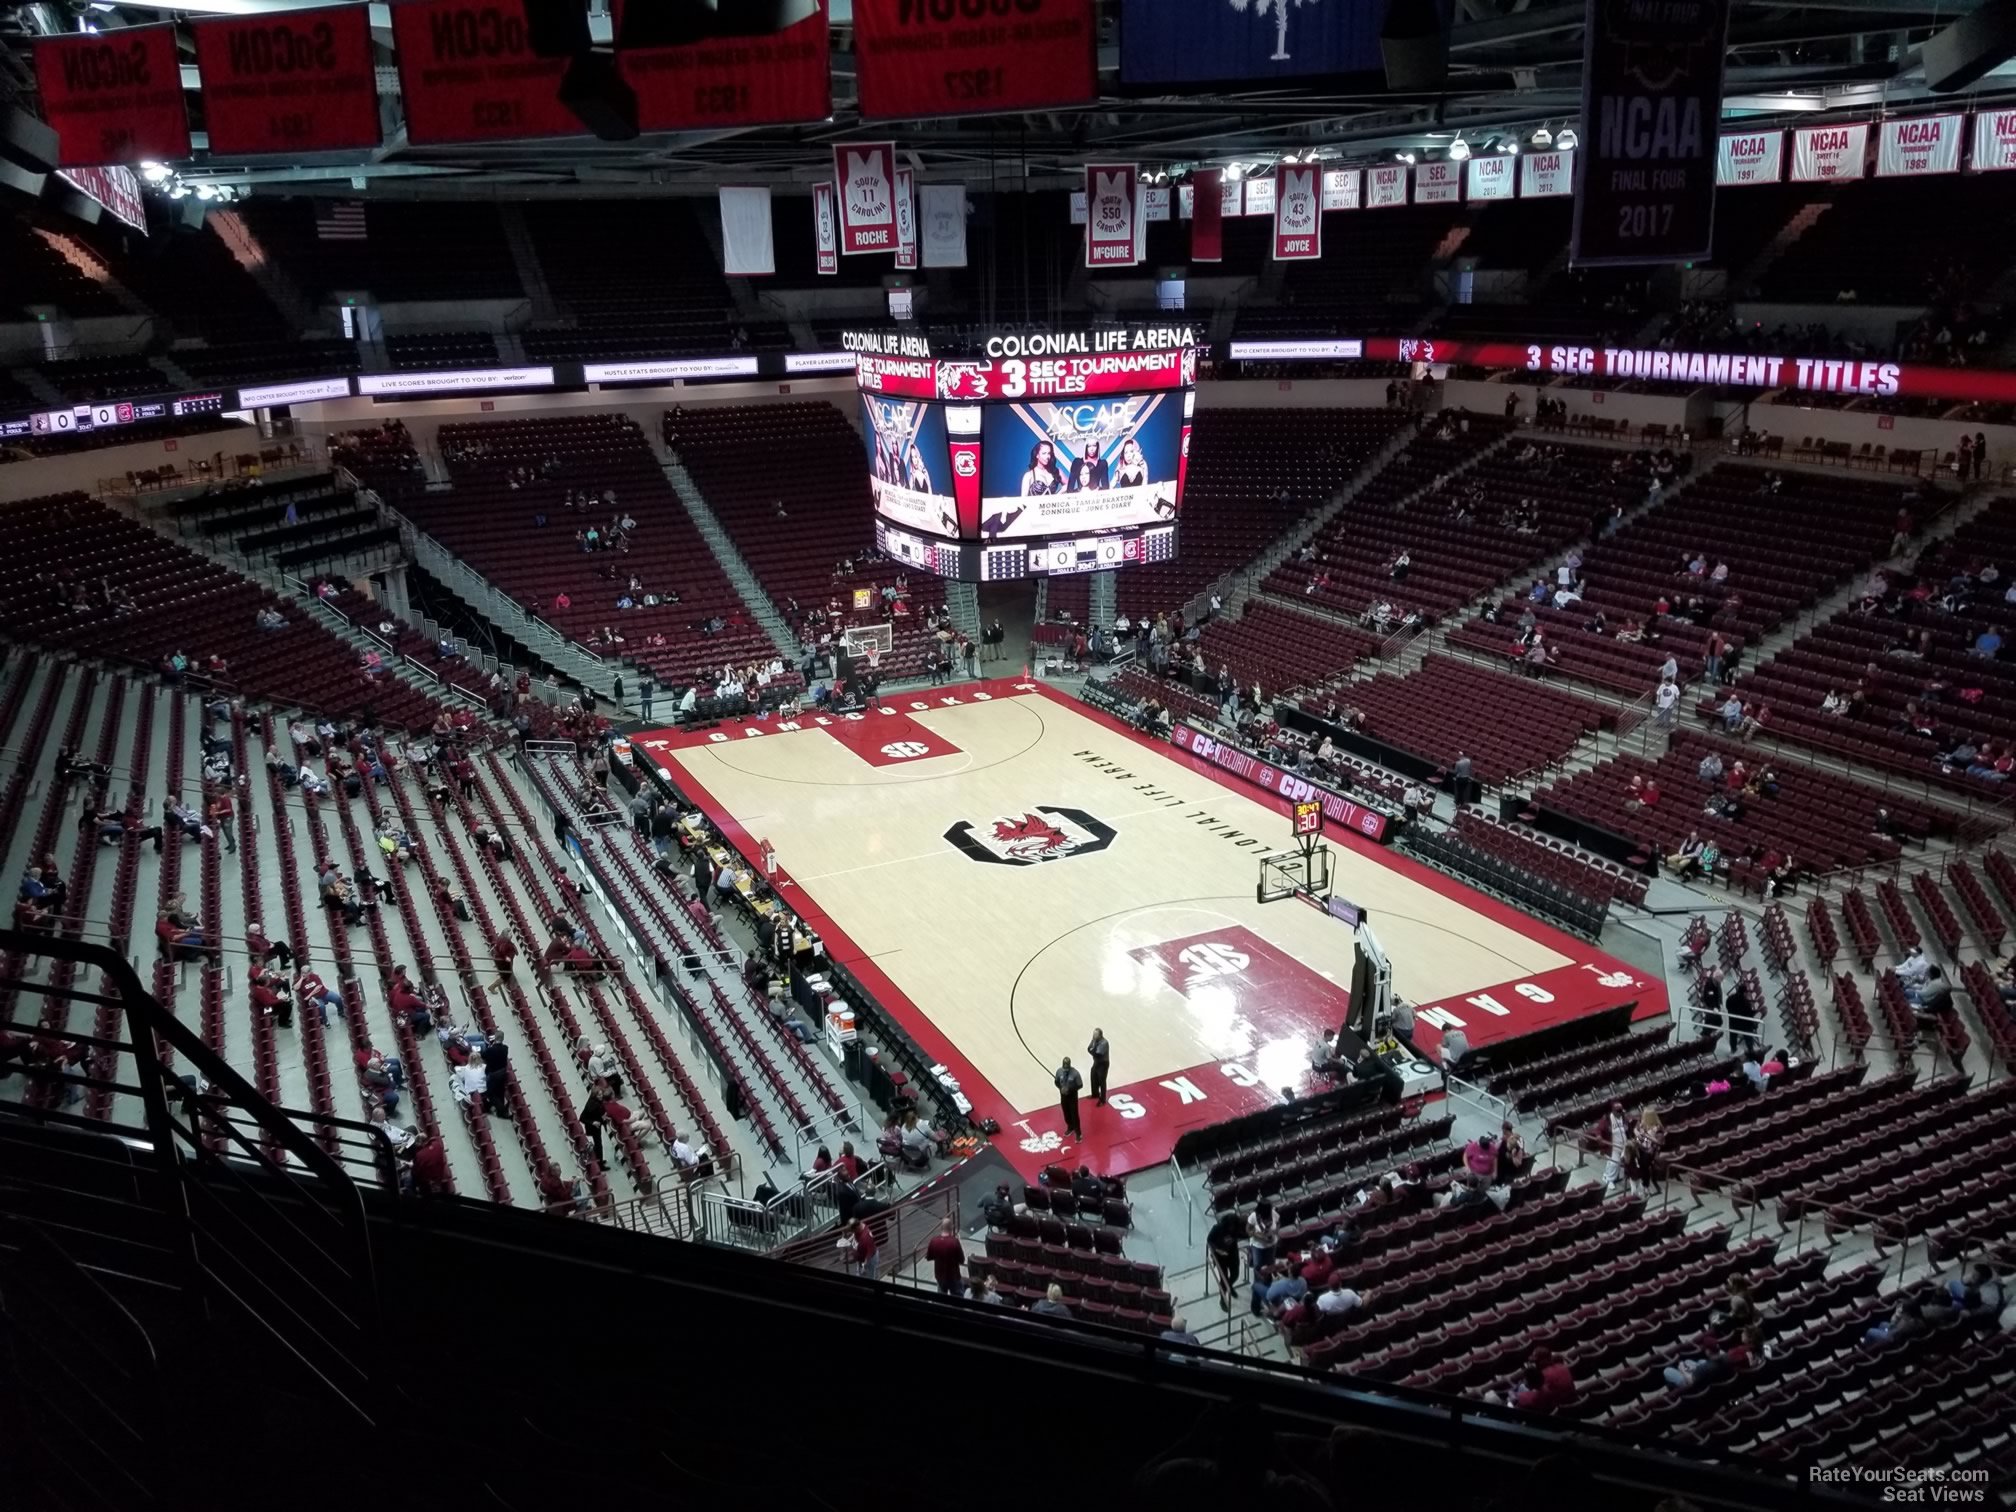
772	69
1154	203
1212	42
1823	154
113	96
1207	217
906	218
825	235
864	176
1231	198
1749	157
1438	183
289	81
117	189
1298	214
1185	198
1545	175
916	61
1492	177
1385	186
941	224
1340	188
1260	196
1651	100
467	73
747	245
1924	144
1994	140
1110	204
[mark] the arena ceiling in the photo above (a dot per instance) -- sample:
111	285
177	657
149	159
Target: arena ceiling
1514	67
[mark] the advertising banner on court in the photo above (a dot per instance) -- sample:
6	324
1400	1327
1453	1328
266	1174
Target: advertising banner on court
1749	157
1492	177
1111	201
1298	214
919	59
113	97
825	234
1340	188
864	175
1207	222
1994	140
1385	185
289	81
1651	99
767	65
1245	41
1925	144
1547	175
1438	183
467	73
1339	810
1823	154
906	218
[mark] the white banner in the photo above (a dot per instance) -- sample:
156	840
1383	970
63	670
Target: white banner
1826	153
1155	203
746	246
1259	196
1493	176
1923	144
906	218
1385	185
825	234
1112	215
1749	157
1231	197
1185	197
1298	214
1994	140
1077	207
1439	183
1547	175
941	220
1340	188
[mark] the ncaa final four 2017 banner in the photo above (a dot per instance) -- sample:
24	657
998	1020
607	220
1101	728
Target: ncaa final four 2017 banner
1298	213
864	175
1651	102
1112	203
825	235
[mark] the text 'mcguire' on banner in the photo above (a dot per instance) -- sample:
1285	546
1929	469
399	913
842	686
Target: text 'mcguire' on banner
113	97
289	81
1651	106
921	58
1111	205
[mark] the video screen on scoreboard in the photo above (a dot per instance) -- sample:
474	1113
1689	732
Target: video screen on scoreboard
1071	466
909	468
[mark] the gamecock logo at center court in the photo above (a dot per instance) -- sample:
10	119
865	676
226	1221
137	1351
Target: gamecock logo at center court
1032	837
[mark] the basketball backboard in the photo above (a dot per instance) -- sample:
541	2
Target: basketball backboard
1301	873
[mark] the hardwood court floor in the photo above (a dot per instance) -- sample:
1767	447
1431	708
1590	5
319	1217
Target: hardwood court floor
1007	869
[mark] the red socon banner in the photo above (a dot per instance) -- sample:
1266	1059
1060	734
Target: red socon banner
916	59
864	174
467	74
113	97
775	76
289	81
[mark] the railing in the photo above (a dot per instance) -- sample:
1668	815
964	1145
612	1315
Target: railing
779	1226
1488	1103
1181	1187
264	1221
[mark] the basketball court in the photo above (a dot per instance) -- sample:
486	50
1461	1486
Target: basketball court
1007	869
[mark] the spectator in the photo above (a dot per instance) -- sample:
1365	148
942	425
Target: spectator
1546	1385
1051	1304
1337	1299
1715	1363
1905	1323
948	1259
860	1244
1263	1229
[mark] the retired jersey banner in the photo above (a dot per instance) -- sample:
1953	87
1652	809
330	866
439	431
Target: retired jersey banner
1298	213
918	59
113	96
1385	185
941	224
1207	217
1260	196
1823	154
467	73
1438	183
772	71
1750	157
1924	144
825	235
864	177
1340	188
1492	177
1994	140
1245	41
1547	175
1651	103
906	218
289	81
1111	202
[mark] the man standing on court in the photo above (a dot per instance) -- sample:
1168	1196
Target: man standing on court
1068	1082
1101	1054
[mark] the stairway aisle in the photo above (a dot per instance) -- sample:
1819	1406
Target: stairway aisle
732	562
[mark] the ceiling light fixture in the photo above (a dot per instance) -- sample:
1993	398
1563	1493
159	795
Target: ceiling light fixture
1566	139
1459	149
1542	137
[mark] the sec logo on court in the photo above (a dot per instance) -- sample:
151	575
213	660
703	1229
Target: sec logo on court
1032	837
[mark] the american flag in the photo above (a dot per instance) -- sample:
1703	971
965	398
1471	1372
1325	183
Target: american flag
342	221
